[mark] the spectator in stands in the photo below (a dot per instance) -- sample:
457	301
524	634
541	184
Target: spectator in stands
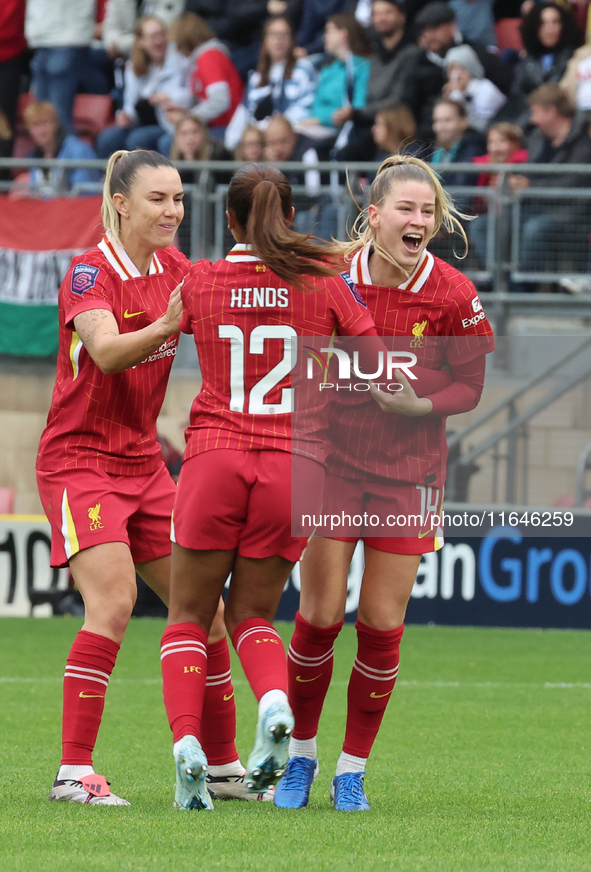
193	141
504	145
313	18
280	85
342	85
550	37
577	78
467	84
13	47
251	147
393	52
313	211
437	33
154	79
455	141
120	18
215	85
555	234
60	32
238	23
476	21
53	141
394	132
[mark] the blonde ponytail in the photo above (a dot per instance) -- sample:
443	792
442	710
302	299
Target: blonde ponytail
122	167
109	214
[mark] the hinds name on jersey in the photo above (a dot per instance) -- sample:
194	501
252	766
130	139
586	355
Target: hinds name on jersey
264	298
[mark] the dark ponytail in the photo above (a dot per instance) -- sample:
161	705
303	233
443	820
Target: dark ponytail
260	199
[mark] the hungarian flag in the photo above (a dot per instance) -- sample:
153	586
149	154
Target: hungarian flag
38	238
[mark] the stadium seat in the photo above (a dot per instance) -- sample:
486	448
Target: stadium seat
7	497
509	34
92	113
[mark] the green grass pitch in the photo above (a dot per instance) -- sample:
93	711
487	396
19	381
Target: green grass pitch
482	763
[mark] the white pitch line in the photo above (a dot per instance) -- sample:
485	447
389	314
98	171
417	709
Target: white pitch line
484	685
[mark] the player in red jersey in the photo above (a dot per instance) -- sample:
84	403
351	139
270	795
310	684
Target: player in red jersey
232	513
101	477
385	467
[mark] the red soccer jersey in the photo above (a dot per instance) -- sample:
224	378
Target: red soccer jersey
109	421
246	321
439	312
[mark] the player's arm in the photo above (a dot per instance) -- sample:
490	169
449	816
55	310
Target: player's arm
462	395
115	352
427	381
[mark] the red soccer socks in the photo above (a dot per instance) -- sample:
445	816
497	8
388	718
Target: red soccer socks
218	724
370	686
88	669
262	655
309	669
183	654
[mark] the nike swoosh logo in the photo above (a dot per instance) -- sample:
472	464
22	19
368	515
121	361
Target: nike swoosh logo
226	698
305	680
127	314
379	695
90	696
423	533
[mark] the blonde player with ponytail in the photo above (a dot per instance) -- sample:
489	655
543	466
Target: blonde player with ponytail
381	467
102	481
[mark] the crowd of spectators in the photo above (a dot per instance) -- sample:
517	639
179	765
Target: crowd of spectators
306	80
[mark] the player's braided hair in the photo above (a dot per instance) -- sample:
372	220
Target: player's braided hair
121	170
403	168
260	199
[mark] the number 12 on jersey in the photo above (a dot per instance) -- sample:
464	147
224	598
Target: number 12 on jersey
255	404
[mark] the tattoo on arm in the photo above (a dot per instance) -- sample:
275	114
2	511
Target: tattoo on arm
88	324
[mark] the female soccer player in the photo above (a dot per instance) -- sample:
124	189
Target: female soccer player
101	478
385	466
232	513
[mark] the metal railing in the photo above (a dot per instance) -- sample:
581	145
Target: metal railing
498	233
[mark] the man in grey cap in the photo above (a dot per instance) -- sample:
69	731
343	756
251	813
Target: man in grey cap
437	32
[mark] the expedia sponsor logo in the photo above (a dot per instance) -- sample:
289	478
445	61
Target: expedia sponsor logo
476	305
471	322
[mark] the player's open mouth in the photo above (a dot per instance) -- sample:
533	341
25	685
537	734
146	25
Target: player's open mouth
168	227
412	241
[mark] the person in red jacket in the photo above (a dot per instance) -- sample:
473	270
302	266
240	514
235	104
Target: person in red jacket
214	81
504	144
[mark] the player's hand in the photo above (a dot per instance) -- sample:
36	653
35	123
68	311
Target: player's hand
174	312
404	402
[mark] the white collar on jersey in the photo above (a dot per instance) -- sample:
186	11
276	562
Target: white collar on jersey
242	253
121	261
361	275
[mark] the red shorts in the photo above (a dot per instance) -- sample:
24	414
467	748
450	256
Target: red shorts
230	499
395	518
87	507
